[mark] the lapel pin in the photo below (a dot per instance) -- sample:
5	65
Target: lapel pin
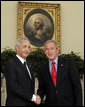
61	65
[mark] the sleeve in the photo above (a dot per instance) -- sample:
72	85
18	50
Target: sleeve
76	84
41	86
33	98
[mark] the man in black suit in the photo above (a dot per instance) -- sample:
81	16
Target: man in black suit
59	79
20	77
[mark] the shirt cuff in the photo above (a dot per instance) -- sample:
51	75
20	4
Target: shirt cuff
33	98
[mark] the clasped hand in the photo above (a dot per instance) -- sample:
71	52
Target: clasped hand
38	99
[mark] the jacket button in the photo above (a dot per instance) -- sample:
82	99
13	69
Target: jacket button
56	92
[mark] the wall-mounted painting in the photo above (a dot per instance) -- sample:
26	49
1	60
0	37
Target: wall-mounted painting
39	22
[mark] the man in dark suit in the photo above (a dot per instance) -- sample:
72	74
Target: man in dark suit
20	77
59	79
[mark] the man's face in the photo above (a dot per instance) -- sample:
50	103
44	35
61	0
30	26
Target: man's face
24	49
37	25
51	51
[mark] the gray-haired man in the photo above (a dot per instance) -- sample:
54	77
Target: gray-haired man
20	78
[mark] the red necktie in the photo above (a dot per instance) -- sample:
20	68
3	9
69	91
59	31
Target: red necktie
54	74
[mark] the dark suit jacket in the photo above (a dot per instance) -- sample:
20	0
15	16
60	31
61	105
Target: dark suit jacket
20	87
68	91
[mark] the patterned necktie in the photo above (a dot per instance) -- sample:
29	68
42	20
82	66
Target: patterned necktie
54	74
25	64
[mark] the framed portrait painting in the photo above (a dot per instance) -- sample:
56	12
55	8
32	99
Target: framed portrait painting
39	22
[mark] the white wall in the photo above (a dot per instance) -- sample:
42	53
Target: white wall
8	23
72	25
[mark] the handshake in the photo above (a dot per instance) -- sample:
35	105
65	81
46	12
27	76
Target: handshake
37	99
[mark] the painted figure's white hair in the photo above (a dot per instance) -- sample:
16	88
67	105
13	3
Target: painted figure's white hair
38	19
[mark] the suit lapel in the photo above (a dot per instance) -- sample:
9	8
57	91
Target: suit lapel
31	71
48	76
21	67
60	70
60	63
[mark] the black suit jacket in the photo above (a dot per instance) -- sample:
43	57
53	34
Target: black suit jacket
68	91
20	87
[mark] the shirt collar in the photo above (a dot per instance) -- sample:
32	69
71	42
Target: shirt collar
56	61
21	59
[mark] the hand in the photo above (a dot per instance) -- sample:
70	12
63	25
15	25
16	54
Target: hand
38	99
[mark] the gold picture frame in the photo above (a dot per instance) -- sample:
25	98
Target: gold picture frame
31	14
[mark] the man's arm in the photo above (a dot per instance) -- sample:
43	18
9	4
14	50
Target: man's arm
74	73
12	83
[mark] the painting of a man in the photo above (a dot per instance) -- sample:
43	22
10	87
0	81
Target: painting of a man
38	32
38	27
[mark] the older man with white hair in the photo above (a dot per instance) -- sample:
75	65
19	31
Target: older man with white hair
39	32
20	77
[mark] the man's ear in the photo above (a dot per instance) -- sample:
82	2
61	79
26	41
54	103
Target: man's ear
17	48
58	50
